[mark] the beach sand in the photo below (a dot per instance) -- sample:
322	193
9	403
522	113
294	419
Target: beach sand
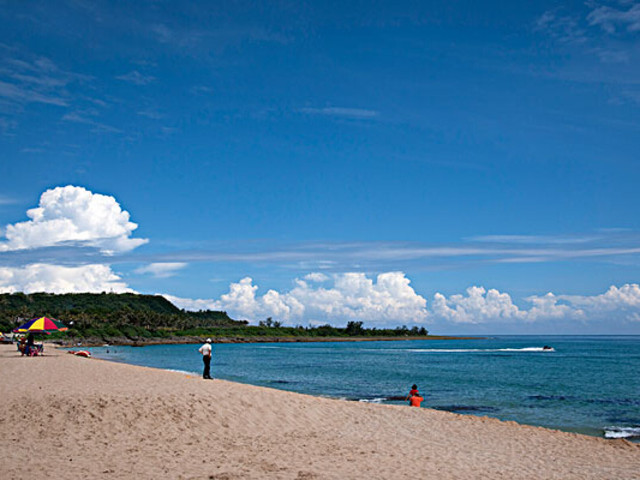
68	417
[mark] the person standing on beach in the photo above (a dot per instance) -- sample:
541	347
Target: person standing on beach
29	346
205	350
22	345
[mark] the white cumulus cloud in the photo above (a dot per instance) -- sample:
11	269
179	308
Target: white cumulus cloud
547	307
389	300
491	306
191	304
59	279
353	296
624	299
74	214
161	270
316	277
477	306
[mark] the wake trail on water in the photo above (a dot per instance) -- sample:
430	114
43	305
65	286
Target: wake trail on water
474	350
443	350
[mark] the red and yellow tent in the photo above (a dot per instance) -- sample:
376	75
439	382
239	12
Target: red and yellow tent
41	325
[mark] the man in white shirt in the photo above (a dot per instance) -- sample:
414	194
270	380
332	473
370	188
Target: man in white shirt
205	350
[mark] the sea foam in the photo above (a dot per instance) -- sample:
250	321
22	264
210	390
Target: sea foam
622	432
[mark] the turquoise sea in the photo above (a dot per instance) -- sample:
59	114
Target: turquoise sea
586	384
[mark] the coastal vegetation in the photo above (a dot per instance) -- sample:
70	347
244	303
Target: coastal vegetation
133	318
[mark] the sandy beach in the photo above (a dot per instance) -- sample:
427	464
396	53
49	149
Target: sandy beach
66	417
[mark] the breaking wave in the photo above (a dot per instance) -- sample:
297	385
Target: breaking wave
622	432
185	372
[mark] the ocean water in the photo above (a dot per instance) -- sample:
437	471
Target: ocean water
586	384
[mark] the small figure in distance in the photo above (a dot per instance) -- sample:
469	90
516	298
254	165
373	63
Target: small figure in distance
413	391
29	350
205	350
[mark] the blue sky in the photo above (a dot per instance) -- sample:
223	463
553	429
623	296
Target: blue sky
471	167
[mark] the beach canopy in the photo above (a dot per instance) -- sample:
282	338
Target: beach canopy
41	325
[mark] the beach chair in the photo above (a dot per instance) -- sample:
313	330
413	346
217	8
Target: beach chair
31	351
36	350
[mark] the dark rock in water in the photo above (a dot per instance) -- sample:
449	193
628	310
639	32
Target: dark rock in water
396	398
614	401
550	397
465	408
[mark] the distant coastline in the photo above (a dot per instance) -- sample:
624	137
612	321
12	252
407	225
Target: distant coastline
137	320
142	342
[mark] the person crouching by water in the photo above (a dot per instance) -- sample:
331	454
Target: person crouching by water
205	350
413	391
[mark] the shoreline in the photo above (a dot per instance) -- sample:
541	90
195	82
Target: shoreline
113	420
589	429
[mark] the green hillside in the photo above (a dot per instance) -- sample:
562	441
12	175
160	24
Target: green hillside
130	318
86	303
107	314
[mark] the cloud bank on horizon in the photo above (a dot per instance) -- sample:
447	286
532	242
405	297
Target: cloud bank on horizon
74	215
354	296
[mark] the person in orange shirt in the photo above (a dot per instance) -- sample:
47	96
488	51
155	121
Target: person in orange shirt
415	400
